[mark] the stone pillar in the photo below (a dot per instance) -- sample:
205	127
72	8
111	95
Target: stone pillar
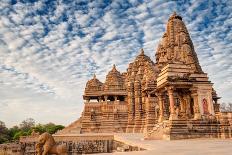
161	107
115	98
99	99
173	115
130	101
197	114
138	108
150	116
88	100
187	106
106	97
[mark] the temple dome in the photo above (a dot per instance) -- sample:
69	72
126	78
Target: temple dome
142	57
176	45
114	80
93	85
141	66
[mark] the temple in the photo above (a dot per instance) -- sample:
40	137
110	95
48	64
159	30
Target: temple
168	98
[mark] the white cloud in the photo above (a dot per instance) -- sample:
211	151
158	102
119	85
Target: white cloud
49	51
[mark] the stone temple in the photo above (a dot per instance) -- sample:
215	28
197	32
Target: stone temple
167	98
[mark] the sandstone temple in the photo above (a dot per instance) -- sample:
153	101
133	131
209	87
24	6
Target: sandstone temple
170	97
167	98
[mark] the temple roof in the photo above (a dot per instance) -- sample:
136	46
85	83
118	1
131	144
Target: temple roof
114	80
93	85
142	57
142	69
176	45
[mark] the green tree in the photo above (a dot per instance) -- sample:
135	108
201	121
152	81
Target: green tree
19	134
52	128
4	137
25	129
12	131
39	128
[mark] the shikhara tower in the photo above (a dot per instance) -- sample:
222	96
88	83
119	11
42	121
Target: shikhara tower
170	98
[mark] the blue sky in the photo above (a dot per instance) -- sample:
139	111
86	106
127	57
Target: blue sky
49	49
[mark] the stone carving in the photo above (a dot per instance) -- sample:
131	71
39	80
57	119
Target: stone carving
205	106
47	145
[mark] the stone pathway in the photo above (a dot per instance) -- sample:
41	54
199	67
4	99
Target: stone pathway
176	147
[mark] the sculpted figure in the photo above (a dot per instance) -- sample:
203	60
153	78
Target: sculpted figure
176	53
187	56
46	145
205	106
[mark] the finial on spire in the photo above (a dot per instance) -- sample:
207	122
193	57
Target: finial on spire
174	13
94	76
114	67
141	51
175	16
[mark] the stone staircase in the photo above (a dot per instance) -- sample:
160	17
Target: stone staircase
73	128
182	129
186	129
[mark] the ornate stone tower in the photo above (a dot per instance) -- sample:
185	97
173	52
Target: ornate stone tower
181	76
183	90
176	46
141	82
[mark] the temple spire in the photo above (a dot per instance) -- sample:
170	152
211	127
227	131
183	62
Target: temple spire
174	13
176	45
175	16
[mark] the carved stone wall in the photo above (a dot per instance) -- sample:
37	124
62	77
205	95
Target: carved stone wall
104	117
76	144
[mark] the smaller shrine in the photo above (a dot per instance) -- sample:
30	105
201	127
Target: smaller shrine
105	104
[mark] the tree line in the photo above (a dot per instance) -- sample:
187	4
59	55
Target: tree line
25	128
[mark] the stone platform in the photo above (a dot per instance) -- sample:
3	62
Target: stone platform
176	147
128	143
